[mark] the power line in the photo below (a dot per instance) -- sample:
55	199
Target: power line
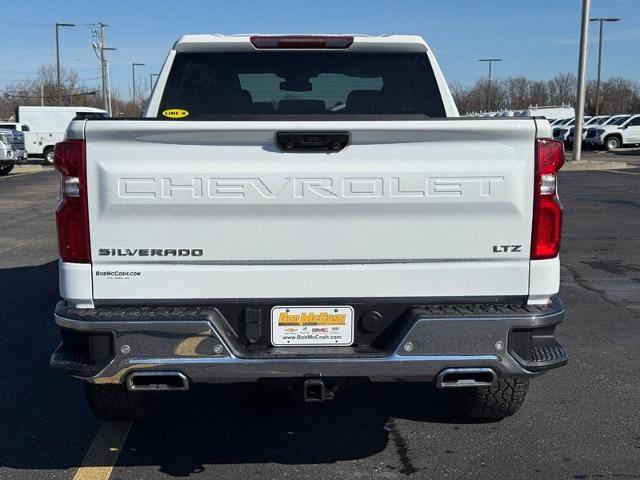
47	52
44	26
9	21
10	95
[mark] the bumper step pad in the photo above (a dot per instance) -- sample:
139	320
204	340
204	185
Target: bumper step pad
545	354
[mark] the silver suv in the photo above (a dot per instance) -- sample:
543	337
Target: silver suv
12	149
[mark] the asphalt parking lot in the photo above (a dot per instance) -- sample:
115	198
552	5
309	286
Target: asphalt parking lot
579	422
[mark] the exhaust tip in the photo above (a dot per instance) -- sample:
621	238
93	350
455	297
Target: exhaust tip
466	377
155	381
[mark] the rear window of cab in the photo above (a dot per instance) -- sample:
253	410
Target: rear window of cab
300	84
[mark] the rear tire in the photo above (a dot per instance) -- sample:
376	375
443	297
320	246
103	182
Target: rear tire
115	402
48	155
495	402
5	168
611	143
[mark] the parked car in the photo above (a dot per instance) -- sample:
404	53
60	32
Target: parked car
592	122
43	127
591	131
7	152
624	131
561	133
307	210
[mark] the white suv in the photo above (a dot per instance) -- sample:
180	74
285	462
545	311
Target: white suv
625	131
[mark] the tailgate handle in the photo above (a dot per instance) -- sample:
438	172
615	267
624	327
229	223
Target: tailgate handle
312	141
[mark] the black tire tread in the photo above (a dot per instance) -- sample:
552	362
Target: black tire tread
495	402
115	402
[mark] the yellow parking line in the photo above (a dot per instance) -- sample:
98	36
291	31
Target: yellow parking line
103	453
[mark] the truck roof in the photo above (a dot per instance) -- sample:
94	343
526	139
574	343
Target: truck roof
73	108
242	42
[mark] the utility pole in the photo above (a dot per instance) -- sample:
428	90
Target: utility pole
133	72
100	49
601	20
58	25
582	70
490	61
102	64
110	107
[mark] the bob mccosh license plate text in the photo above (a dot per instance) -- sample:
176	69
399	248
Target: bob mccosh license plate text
311	326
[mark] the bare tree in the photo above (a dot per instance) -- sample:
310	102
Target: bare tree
562	89
516	92
618	95
43	90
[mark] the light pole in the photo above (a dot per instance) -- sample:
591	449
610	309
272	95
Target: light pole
490	61
601	20
58	25
151	75
133	73
582	64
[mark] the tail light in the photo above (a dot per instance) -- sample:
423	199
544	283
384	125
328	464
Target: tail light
547	210
72	214
301	41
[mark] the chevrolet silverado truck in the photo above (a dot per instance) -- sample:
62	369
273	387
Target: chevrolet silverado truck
307	210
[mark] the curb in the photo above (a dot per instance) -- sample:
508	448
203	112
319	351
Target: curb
593	165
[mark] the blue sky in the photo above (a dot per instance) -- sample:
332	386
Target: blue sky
536	38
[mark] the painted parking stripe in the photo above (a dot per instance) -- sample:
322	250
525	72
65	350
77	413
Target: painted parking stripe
103	453
21	174
624	173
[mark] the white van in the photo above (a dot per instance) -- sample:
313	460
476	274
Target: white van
43	127
550	112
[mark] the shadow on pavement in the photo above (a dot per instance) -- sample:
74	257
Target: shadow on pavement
246	424
631	152
45	423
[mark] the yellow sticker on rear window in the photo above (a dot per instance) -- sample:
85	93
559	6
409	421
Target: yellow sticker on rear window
175	113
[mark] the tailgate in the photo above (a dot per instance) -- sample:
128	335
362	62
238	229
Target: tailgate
200	210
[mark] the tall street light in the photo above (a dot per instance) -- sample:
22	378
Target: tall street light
133	72
582	72
58	25
601	20
490	61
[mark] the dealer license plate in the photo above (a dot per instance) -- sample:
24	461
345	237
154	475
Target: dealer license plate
311	326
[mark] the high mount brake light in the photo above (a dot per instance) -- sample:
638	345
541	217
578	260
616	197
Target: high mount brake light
547	210
72	214
301	41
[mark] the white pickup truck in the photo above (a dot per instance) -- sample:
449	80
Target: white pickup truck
624	130
307	210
